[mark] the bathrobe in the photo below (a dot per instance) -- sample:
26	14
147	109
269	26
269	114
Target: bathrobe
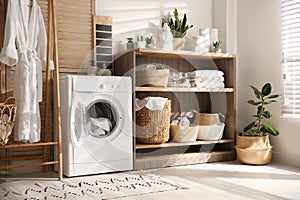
24	46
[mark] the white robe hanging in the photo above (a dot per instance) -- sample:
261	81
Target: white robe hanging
25	43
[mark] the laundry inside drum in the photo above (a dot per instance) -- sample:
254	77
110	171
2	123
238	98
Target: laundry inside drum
101	119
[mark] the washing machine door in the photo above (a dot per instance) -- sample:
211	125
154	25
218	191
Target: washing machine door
95	118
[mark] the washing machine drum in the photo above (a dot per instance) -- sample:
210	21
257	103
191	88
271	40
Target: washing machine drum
99	119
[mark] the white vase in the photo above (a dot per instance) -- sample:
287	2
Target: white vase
178	43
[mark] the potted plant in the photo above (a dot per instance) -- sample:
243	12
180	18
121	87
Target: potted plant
149	42
216	46
253	145
178	27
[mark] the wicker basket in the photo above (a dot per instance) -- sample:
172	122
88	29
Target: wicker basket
207	119
152	78
7	118
153	126
184	134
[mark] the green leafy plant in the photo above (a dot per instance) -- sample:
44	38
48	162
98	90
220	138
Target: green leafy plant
177	26
149	40
257	127
216	44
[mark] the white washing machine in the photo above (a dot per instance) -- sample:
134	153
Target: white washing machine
96	121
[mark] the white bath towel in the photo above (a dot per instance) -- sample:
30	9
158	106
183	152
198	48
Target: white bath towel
102	122
211	85
205	73
208	79
152	103
98	132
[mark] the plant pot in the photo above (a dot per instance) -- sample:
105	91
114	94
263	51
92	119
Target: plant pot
217	50
253	141
254	150
149	46
178	43
254	156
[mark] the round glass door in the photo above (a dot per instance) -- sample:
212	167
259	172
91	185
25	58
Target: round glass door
101	119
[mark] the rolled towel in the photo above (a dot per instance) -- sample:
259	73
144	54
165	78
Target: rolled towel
181	118
184	122
205	73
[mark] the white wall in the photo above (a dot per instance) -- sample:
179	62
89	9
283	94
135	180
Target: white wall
219	20
258	62
130	16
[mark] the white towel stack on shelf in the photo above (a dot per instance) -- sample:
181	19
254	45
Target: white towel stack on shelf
207	79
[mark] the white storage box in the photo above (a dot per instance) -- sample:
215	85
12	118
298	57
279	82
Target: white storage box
211	132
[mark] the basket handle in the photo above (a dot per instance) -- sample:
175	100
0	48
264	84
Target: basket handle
12	99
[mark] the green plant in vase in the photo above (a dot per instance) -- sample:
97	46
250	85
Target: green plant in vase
149	42
178	28
253	145
217	46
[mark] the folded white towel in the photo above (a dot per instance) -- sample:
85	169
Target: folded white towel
208	79
152	103
208	85
205	73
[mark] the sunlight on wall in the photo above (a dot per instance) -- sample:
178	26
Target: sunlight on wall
132	16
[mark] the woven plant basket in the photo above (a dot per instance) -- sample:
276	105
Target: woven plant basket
8	111
153	126
206	119
254	156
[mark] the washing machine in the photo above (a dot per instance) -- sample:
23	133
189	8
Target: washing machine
96	124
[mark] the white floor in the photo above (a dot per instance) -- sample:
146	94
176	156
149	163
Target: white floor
229	180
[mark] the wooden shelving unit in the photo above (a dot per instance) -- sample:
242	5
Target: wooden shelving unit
184	99
5	161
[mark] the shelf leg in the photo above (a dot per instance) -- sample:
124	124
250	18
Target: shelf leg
57	96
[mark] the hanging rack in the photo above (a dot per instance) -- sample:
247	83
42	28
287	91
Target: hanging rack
52	49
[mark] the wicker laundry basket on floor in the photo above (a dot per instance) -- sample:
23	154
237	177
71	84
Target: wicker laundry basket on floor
153	126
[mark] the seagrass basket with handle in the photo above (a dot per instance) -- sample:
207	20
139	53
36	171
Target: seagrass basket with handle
8	111
153	126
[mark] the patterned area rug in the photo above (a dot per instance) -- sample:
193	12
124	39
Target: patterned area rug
108	186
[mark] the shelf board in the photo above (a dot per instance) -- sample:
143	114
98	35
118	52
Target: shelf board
183	53
174	144
21	145
29	165
151	162
178	89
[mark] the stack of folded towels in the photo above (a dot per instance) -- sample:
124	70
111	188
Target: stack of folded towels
207	79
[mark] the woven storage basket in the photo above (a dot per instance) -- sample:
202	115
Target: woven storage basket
184	134
152	78
7	116
207	119
153	126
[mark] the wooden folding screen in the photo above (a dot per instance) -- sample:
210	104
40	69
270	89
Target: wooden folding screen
74	52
